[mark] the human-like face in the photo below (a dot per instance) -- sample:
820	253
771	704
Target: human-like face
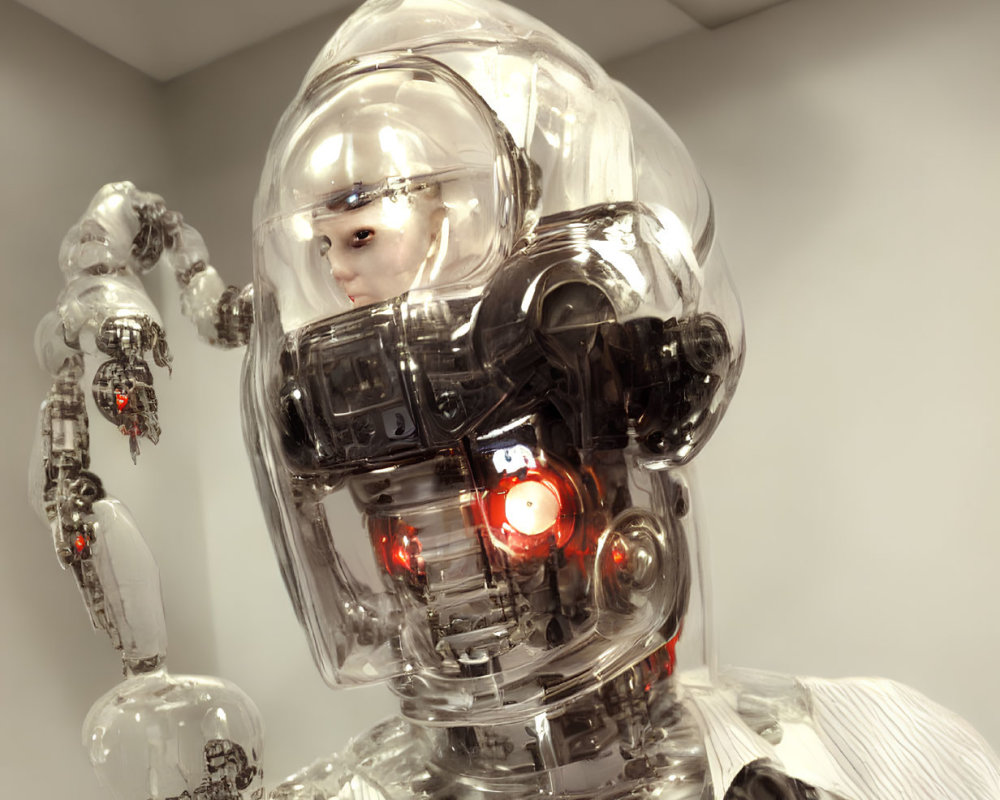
377	251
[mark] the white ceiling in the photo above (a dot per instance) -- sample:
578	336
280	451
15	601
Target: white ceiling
166	38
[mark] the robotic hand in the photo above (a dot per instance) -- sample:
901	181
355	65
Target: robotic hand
123	385
104	311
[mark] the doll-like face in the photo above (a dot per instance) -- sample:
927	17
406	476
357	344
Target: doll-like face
381	249
388	178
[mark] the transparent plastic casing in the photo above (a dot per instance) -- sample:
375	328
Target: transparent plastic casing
491	326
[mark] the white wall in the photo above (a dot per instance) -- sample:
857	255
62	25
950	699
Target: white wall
854	164
853	149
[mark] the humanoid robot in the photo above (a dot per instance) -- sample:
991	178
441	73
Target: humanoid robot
489	325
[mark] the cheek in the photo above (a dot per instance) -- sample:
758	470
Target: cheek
402	253
364	262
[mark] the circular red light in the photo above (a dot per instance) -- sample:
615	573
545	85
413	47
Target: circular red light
531	510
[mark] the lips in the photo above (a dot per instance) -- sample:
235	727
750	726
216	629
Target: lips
356	294
349	284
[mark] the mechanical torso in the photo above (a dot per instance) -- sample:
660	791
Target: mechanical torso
505	451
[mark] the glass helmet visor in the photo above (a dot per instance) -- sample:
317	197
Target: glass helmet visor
382	179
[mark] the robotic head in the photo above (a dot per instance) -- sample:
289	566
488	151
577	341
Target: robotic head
384	177
491	325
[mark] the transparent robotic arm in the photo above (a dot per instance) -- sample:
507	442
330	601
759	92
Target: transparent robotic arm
104	313
154	735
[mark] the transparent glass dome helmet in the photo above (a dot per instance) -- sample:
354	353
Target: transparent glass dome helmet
383	179
455	143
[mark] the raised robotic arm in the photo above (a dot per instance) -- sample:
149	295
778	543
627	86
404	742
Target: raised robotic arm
105	313
155	735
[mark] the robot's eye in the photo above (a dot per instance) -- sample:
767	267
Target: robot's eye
324	246
362	237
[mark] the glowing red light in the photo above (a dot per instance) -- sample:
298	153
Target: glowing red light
661	663
672	652
530	511
618	554
401	556
121	400
81	543
398	548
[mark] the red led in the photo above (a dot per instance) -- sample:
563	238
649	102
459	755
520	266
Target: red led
661	663
618	554
672	653
401	556
531	510
80	543
398	548
121	400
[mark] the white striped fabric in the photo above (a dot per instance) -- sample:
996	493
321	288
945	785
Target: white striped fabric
895	743
729	744
856	739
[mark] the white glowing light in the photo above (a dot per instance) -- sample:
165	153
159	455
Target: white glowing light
326	153
503	85
510	426
542	730
674	239
624	263
110	203
395	212
529	295
220	714
302	227
511	459
531	507
391	145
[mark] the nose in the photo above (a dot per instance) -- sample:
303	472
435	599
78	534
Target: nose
339	271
